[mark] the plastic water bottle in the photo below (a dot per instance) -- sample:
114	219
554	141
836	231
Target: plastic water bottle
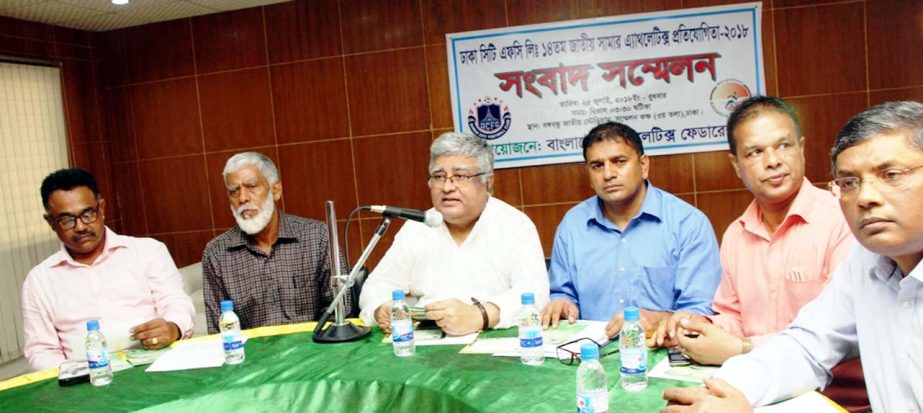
229	325
530	332
98	355
592	388
633	352
401	326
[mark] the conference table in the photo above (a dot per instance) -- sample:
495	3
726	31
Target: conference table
285	371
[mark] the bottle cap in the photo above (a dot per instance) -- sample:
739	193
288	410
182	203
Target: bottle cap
227	305
528	298
631	313
589	351
397	295
92	325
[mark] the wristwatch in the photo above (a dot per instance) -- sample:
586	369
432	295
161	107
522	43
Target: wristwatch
480	306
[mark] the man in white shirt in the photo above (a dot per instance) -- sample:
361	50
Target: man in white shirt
469	272
874	304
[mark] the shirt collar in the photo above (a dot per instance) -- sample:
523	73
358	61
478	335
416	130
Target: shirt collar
113	242
917	272
801	207
651	207
285	227
803	204
885	269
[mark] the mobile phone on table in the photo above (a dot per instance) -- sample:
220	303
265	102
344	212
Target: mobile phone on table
677	358
73	372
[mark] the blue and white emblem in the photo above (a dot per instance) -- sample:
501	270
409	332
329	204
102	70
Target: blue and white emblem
489	118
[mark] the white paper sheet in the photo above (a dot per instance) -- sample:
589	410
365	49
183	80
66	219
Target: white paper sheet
187	356
692	373
492	346
117	338
808	402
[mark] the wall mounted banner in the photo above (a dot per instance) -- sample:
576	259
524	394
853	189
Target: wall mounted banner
534	91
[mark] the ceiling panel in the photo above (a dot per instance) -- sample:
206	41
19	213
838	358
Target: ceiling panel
169	11
50	12
103	22
235	4
102	15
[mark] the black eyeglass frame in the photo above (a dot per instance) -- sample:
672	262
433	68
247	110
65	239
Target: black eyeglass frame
87	216
434	180
567	357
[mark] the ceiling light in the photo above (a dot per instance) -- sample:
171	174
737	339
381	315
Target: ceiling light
119	2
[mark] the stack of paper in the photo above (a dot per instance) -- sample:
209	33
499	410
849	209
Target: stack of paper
417	313
140	356
191	355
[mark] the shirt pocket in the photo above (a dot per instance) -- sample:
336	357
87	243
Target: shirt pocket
804	276
301	293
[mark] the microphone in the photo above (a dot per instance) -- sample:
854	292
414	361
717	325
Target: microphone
431	218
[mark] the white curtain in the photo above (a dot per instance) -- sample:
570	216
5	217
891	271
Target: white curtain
33	143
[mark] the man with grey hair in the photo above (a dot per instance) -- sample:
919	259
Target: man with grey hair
469	272
874	303
273	265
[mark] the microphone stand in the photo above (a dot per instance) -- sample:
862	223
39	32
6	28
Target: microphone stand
342	330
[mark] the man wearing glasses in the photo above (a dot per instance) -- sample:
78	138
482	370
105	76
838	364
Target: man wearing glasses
779	254
469	272
131	285
872	305
630	244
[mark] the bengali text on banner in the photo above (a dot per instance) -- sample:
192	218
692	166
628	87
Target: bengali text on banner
534	91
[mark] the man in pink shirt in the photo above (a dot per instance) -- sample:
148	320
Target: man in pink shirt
131	285
780	253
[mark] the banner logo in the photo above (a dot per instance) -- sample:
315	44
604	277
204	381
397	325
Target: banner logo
489	118
727	95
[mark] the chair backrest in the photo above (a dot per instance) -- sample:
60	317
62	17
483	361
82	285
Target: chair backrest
192	277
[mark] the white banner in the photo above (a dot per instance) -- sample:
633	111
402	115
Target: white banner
535	91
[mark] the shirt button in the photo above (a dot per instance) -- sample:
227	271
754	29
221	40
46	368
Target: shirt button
622	269
906	304
621	301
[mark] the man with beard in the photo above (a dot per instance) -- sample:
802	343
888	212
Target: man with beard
273	265
129	284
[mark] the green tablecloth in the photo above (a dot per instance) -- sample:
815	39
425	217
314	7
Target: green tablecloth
292	373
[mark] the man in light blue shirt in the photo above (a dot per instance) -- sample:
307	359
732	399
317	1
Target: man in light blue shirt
874	303
630	244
